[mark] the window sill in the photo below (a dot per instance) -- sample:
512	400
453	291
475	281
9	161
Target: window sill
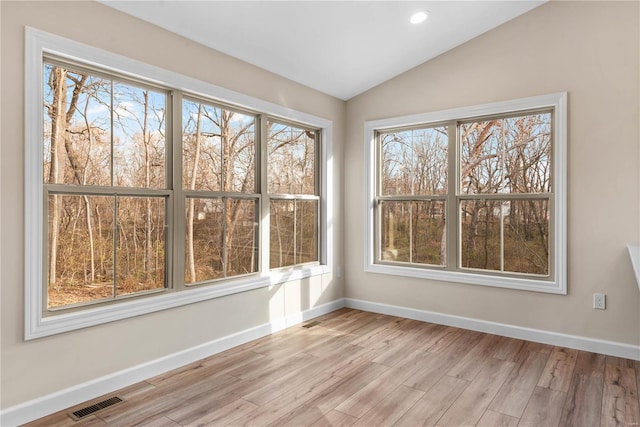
526	284
69	321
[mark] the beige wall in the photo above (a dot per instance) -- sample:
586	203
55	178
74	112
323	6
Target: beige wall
33	369
589	49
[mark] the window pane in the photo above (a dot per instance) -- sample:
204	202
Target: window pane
480	221
306	230
80	230
414	162
218	151
80	126
515	230
282	219
396	163
220	238
77	131
395	231
526	237
138	137
413	232
293	231
140	247
201	152
291	159
510	155
203	240
241	237
429	237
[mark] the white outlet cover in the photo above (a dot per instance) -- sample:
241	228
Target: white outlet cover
599	301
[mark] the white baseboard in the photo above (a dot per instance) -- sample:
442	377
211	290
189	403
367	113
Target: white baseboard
71	396
611	348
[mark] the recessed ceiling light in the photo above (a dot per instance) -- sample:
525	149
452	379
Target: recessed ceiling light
418	17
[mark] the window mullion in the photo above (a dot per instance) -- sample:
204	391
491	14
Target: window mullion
225	253
115	244
295	231
111	170
416	198
452	219
115	198
411	204
317	170
502	235
176	223
377	211
265	204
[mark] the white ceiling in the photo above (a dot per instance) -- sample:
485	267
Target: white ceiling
341	48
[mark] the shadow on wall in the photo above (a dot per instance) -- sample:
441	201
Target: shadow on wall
289	301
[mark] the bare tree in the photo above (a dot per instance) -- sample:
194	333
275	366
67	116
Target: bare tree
218	156
60	115
498	157
191	209
78	149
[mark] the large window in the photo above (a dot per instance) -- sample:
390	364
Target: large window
104	151
142	196
472	195
293	194
222	200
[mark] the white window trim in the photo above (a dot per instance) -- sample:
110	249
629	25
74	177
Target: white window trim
557	284
37	43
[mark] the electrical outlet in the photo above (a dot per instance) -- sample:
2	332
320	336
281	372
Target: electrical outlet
599	301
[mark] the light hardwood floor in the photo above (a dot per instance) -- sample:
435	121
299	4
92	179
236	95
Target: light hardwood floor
355	368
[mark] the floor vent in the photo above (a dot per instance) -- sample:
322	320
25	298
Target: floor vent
81	413
310	324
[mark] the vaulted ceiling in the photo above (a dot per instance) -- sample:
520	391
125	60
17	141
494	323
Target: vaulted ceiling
341	48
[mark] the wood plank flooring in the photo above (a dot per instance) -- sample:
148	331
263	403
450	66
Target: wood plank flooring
363	369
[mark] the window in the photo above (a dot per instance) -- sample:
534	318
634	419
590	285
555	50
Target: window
104	170
474	195
412	195
222	200
142	196
293	194
505	184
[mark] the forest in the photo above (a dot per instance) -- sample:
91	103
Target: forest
502	195
113	189
118	202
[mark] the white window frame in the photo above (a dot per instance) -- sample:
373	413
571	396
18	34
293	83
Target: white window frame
556	283
39	43
269	197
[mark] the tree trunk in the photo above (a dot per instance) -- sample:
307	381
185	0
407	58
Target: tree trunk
391	236
57	112
226	186
123	240
100	237
91	241
86	199
279	239
60	122
147	169
471	238
443	246
191	213
487	236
